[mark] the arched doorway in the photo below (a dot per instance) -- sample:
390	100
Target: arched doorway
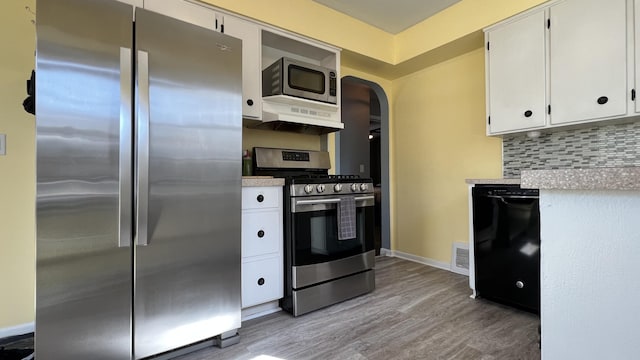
363	146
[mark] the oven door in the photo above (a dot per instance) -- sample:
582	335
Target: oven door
315	229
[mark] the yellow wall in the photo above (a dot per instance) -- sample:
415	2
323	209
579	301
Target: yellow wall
455	22
437	127
316	21
439	141
278	139
17	168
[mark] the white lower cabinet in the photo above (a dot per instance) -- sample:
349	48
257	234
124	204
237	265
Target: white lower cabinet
262	246
261	281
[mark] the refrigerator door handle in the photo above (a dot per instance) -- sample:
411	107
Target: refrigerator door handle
125	181
142	205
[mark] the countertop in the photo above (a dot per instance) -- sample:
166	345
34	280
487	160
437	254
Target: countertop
493	181
617	178
261	181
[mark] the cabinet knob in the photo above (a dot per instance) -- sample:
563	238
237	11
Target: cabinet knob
260	198
261	233
528	113
261	281
603	100
519	284
250	102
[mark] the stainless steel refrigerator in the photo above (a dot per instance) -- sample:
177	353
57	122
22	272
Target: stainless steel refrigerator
138	182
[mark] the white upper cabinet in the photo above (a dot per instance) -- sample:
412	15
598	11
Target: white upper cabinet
249	33
516	75
137	3
588	60
185	11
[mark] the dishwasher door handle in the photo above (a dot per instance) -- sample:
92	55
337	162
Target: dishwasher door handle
513	196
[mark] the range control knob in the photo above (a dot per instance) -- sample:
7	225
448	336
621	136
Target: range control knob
320	188
308	189
354	187
337	187
364	187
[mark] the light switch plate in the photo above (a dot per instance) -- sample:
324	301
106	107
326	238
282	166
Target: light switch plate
3	144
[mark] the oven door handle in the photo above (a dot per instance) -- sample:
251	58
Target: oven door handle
319	201
331	200
365	198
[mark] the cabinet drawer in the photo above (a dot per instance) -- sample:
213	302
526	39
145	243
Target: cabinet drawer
261	232
261	197
261	281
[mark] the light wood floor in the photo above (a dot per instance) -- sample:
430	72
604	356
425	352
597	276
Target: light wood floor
416	312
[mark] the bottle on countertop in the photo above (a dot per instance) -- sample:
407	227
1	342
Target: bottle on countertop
247	169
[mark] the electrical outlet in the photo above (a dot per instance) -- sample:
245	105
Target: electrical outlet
361	168
3	144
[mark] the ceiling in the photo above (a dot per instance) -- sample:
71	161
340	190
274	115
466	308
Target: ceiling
392	16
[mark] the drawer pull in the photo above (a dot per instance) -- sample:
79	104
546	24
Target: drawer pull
261	233
260	198
261	281
603	100
519	284
528	113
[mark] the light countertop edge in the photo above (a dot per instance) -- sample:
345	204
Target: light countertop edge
618	178
248	181
493	181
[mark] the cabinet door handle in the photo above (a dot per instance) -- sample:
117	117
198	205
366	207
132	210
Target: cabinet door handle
261	233
528	113
260	198
519	284
603	100
261	281
250	102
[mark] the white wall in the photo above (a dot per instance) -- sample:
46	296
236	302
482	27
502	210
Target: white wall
590	262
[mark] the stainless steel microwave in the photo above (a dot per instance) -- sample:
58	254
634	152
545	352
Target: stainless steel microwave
300	79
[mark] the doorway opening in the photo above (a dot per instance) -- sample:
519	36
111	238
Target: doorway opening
363	146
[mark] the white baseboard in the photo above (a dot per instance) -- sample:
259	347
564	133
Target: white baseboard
419	259
386	252
17	330
260	310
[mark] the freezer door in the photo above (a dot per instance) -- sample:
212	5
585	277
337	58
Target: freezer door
83	128
187	255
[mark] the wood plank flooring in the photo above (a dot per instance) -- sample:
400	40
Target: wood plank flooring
416	312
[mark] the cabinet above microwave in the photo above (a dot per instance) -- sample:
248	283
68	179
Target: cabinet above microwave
262	45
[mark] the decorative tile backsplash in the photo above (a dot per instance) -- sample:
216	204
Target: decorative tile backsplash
602	146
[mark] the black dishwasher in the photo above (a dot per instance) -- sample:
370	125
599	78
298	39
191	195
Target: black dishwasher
506	233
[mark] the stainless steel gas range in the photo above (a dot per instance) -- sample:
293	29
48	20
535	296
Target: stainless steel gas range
328	227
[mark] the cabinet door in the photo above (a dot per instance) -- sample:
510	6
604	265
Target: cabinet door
588	52
261	197
261	232
249	33
516	75
261	281
185	11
